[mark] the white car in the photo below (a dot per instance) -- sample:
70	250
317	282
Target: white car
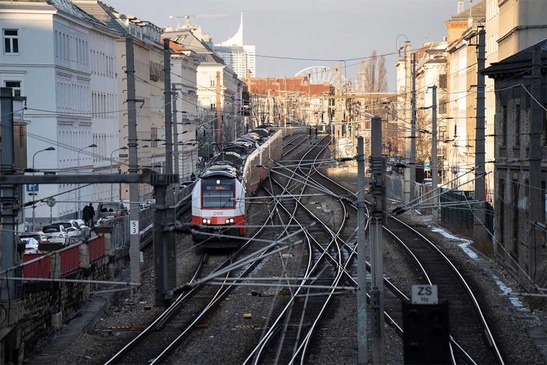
31	244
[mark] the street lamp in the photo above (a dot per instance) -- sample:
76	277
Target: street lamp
112	169
33	193
37	152
78	171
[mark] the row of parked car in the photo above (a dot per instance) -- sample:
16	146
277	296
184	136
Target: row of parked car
69	231
58	232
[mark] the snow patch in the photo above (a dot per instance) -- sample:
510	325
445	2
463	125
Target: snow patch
464	245
516	302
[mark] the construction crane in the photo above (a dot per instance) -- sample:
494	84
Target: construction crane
197	16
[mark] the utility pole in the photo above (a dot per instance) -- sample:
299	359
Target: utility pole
175	131
219	117
9	203
361	265
413	130
363	77
168	235
408	115
434	173
536	194
480	196
376	245
134	208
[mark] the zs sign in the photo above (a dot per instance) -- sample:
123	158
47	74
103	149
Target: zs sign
424	294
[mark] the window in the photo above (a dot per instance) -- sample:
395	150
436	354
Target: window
15	86
515	223
517	125
504	126
442	81
11	41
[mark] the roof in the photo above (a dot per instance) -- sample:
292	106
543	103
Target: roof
189	40
477	11
520	61
102	12
297	84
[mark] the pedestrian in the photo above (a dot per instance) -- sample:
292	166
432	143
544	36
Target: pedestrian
91	214
193	177
86	215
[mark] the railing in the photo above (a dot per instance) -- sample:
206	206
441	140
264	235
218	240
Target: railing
96	248
36	265
69	259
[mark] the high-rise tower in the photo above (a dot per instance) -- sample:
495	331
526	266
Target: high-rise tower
240	58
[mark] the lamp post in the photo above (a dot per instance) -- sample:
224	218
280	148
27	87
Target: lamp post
33	194
112	169
78	171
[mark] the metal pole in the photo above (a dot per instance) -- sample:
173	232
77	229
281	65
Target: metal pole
169	235
408	116
376	245
434	173
479	228
79	215
174	98
134	209
8	199
167	109
218	114
361	264
537	216
413	130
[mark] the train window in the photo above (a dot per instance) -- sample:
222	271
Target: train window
218	193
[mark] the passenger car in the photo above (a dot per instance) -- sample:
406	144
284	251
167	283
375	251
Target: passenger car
31	244
111	209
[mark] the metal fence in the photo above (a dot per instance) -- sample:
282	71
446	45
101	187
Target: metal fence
459	215
463	215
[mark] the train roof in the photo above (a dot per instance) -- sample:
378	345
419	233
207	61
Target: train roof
231	157
221	166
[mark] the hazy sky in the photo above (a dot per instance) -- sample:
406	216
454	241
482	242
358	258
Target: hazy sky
328	30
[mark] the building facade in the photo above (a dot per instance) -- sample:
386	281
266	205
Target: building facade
521	162
62	60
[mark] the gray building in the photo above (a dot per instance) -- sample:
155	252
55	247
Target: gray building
521	163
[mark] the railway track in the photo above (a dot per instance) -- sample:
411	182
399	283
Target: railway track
471	338
301	298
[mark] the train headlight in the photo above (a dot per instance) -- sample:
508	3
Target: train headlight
206	221
232	220
229	220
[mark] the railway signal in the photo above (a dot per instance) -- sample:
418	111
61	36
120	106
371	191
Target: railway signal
426	332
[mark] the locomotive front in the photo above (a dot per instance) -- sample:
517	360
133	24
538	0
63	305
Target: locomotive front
218	207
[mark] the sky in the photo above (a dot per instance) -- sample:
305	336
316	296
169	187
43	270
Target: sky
323	30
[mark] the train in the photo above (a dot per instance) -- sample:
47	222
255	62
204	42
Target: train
218	196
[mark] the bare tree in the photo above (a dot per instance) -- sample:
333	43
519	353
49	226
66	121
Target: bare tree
376	74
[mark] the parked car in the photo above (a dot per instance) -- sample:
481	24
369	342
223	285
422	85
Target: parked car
59	231
31	244
78	223
38	236
111	209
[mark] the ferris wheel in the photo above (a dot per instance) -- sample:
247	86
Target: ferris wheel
320	74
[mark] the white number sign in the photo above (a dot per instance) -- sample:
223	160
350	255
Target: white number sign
134	227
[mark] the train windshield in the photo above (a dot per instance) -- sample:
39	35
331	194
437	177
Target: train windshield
218	192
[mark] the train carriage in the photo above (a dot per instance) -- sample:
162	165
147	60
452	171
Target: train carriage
218	197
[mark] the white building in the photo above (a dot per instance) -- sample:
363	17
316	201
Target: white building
239	57
149	85
184	66
63	61
216	84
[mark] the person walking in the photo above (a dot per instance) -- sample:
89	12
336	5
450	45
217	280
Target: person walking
91	214
86	215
